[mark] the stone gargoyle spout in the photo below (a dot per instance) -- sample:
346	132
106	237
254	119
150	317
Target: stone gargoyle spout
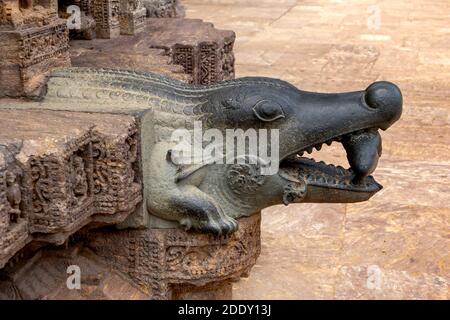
208	195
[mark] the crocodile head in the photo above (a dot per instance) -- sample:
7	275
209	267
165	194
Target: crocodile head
305	121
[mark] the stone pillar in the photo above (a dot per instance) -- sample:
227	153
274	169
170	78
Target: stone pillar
106	14
132	16
163	8
34	41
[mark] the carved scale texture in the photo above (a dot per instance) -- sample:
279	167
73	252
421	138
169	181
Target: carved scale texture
67	84
175	104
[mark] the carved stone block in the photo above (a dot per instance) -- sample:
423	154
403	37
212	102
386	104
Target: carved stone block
17	15
87	25
132	16
137	264
163	8
204	52
77	169
174	264
86	6
106	14
28	56
128	52
189	50
208	196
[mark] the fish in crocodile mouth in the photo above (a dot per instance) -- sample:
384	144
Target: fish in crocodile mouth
363	148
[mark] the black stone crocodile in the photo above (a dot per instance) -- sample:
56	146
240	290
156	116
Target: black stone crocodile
209	196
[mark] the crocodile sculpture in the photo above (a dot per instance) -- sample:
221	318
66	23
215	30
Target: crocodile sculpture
208	196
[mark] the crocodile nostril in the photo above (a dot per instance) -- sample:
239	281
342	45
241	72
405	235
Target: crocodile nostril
387	98
383	94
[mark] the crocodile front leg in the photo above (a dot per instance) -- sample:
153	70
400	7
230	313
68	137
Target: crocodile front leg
195	209
172	194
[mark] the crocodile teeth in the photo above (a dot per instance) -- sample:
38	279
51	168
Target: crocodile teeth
309	149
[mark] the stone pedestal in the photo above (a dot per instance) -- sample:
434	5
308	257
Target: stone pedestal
87	28
174	264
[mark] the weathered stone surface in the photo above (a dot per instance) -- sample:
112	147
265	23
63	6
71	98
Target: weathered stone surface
131	16
44	276
163	8
107	18
61	171
172	263
36	41
137	264
33	42
87	27
174	47
28	56
128	52
87	30
218	193
204	52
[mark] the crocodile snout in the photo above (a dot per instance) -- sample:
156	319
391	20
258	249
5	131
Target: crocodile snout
386	98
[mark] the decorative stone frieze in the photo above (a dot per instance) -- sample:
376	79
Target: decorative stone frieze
67	170
29	55
204	52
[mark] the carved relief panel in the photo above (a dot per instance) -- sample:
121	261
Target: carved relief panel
106	15
13	219
132	16
184	56
29	54
92	178
208	63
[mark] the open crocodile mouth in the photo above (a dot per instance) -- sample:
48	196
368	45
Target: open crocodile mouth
363	150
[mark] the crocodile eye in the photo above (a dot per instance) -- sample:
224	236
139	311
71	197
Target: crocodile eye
268	110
